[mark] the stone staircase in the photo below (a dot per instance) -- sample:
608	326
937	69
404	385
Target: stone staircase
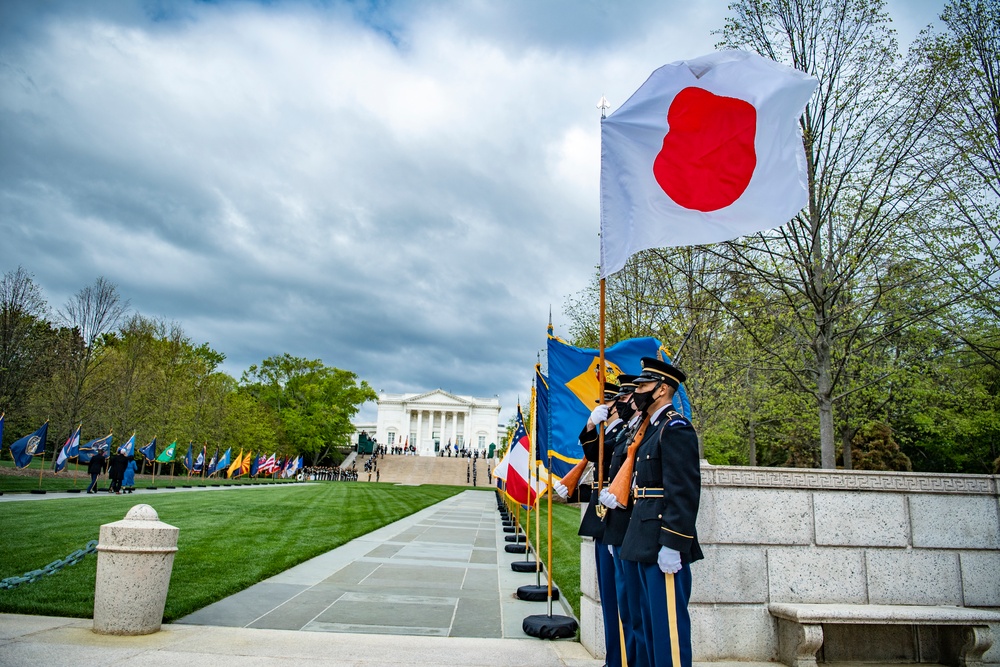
425	470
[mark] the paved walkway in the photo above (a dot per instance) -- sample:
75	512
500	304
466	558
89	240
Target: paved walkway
440	572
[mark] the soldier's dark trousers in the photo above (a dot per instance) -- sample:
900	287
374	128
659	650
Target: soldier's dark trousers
609	605
666	625
629	589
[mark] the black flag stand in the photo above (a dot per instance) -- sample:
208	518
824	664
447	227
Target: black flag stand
549	626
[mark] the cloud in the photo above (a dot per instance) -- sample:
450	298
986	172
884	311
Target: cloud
400	189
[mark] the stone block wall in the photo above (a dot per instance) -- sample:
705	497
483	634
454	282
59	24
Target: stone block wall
811	536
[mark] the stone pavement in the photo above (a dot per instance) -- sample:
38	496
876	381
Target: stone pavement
440	572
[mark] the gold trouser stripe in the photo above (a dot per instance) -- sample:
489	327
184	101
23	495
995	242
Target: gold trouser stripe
621	640
675	645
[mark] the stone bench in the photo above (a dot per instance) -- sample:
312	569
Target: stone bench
962	634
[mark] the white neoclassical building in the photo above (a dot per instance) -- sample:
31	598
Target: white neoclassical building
431	420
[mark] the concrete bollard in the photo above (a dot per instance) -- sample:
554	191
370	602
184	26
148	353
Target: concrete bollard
134	560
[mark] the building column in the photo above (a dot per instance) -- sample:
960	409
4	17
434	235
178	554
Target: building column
465	427
454	427
420	422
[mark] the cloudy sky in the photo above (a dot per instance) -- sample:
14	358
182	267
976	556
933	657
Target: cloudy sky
402	189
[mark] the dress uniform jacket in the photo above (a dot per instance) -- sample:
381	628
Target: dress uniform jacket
591	525
616	521
667	467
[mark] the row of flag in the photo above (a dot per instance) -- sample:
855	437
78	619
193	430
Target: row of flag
561	403
33	444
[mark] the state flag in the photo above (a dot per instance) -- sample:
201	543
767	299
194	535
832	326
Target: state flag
70	450
33	444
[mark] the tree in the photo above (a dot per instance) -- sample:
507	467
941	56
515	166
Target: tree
832	264
91	313
25	339
314	403
963	63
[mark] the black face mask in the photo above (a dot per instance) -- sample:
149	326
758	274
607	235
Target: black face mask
625	410
645	399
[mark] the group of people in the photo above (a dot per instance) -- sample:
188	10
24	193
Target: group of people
120	469
328	474
642	518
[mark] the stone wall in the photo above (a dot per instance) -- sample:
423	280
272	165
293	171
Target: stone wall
811	536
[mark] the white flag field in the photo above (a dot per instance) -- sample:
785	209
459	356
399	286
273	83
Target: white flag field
706	150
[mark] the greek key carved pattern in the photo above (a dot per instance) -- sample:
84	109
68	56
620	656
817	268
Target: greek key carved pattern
848	480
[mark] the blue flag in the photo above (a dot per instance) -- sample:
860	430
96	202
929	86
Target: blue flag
149	451
188	460
223	461
88	450
29	446
211	464
199	462
575	390
255	466
541	418
128	449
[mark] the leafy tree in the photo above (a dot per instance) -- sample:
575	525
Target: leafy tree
863	130
313	402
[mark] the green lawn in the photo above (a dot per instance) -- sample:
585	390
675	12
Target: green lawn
228	541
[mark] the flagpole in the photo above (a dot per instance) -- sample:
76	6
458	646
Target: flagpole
548	565
600	381
538	535
41	469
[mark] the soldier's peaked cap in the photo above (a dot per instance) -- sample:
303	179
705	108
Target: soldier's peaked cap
610	391
627	383
654	370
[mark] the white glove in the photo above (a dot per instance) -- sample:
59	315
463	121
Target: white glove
598	414
561	490
608	499
668	560
611	550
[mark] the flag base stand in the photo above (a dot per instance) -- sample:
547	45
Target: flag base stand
516	548
74	490
514	538
38	491
509	529
535	593
524	566
547	626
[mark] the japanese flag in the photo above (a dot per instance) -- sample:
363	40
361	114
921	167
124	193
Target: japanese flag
705	151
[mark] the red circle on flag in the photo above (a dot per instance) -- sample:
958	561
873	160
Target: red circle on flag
708	154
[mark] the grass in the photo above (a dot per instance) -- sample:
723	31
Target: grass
227	541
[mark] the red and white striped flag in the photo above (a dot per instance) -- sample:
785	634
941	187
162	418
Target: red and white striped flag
513	467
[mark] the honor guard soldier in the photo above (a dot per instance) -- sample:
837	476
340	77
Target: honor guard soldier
592	524
616	520
661	536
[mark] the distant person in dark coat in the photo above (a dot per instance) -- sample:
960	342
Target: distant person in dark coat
95	468
116	471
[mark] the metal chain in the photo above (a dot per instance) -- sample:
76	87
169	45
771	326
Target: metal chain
11	583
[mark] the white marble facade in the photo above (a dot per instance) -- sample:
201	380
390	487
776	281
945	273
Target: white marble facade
430	420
